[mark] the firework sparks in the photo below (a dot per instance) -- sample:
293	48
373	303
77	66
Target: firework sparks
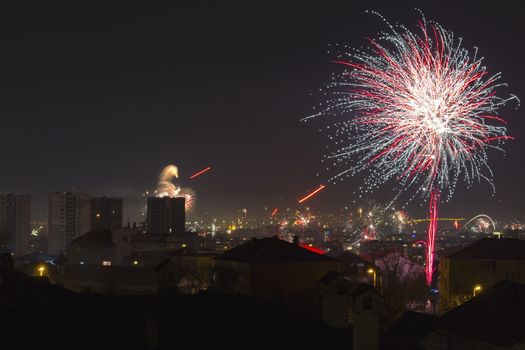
199	173
305	198
423	115
166	187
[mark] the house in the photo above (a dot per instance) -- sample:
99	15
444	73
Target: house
272	268
126	246
121	280
335	291
366	307
477	266
354	267
494	319
194	268
341	299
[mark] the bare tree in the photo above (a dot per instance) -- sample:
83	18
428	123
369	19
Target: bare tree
402	283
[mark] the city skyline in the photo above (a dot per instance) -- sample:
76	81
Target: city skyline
116	93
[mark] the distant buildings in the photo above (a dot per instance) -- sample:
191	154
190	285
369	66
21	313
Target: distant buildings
106	213
74	214
69	217
166	215
468	270
15	227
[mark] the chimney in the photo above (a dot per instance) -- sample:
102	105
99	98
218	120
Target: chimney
296	240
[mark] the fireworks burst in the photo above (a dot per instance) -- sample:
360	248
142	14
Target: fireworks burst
166	187
423	113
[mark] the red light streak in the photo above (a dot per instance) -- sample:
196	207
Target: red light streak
432	230
275	211
312	249
200	173
311	194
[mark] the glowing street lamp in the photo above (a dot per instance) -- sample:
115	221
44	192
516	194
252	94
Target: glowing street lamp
372	272
477	289
41	270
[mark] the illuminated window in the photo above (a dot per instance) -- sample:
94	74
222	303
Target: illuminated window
106	263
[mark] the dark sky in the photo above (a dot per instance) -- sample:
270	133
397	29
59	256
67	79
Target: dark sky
98	97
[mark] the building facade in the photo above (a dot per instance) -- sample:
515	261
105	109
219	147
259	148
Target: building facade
15	223
106	213
69	218
472	269
166	215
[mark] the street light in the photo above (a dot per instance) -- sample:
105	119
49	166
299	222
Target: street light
477	288
41	270
372	272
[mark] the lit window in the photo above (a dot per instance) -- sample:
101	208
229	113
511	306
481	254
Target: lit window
106	263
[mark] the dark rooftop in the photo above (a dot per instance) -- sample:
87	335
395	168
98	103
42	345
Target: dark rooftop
414	325
492	248
347	257
95	238
496	316
49	316
329	277
270	250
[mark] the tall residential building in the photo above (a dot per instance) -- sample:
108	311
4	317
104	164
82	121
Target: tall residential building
69	218
15	228
166	215
106	213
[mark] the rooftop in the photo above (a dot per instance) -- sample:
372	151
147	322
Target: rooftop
95	238
348	257
496	316
271	250
491	248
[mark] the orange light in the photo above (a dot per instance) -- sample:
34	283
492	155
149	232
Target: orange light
311	194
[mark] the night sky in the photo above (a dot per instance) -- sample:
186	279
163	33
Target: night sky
99	98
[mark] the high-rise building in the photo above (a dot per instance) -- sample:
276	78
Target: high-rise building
166	215
15	218
106	213
69	218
